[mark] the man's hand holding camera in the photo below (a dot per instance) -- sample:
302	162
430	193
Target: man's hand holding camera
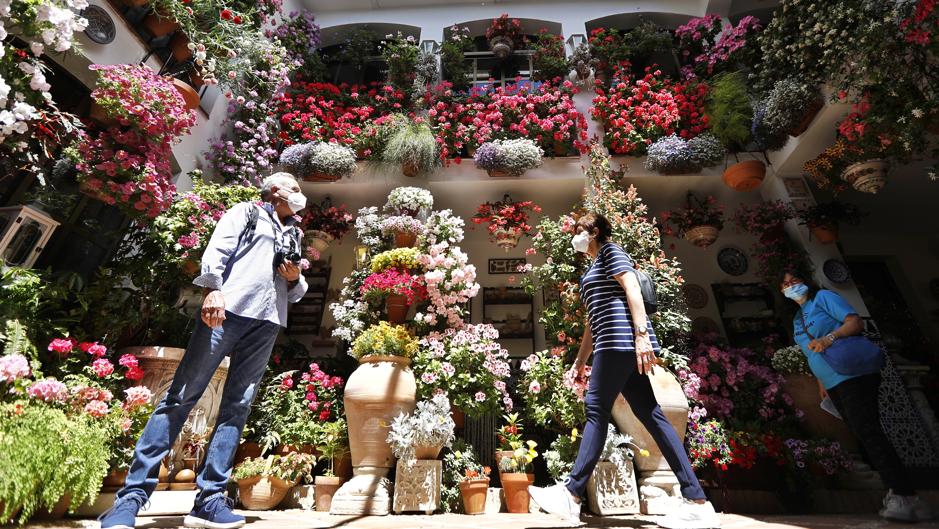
289	271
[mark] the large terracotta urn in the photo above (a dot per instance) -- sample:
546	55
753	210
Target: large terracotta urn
804	392
653	470
376	392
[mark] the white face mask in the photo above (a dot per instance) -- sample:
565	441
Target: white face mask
580	242
295	201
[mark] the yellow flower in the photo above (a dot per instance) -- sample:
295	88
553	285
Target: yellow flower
574	433
643	452
531	444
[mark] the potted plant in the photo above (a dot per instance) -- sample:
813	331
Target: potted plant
675	155
318	161
474	487
324	223
423	433
400	54
409	200
515	473
503	35
508	157
397	288
413	147
582	61
787	110
552	397
614	472
507	219
608	48
452	58
263	482
404	228
731	117
858	164
508	434
549	59
334	447
707	46
822	220
699	222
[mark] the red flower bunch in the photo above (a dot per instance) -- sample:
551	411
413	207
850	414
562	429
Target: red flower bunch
392	281
504	27
707	213
334	220
637	112
322	392
919	29
506	215
608	46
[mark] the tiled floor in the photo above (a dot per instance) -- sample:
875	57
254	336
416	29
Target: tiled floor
297	519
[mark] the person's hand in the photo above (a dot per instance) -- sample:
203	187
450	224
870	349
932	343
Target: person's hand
822	393
289	271
819	344
578	369
213	309
645	355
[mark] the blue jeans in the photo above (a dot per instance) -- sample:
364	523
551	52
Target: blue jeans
248	342
615	372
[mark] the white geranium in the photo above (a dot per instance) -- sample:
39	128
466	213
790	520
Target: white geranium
368	228
411	199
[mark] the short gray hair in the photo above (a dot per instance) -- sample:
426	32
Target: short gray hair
280	179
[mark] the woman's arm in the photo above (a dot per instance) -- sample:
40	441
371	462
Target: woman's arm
586	347
645	355
852	326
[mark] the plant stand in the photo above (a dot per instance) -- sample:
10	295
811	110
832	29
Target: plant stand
417	486
612	490
365	494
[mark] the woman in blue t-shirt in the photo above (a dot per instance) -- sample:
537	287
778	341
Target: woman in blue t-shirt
823	318
623	344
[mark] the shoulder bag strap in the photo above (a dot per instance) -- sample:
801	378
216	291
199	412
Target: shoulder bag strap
804	326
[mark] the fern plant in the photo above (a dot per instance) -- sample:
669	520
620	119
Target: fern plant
729	111
15	340
413	147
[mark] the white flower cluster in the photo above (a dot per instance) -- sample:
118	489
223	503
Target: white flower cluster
442	227
410	199
429	425
368	228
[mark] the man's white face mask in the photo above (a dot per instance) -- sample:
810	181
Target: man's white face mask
295	200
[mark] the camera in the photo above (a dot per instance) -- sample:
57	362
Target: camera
289	252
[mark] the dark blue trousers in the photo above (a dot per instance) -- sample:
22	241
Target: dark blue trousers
615	372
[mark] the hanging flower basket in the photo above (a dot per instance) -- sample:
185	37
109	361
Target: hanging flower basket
867	177
745	176
702	236
189	94
261	494
824	234
501	46
807	118
396	306
506	239
320	240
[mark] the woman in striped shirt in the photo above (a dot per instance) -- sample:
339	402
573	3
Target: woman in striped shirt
624	346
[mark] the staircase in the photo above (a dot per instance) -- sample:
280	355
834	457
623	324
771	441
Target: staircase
306	315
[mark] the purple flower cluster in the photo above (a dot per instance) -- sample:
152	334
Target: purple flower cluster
299	34
245	155
488	156
823	454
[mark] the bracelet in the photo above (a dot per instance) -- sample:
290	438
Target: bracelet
831	336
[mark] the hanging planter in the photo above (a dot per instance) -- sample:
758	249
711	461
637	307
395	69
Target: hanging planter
318	161
410	169
807	118
867	177
702	236
745	176
501	46
825	234
502	35
396	306
501	158
506	239
497	173
158	25
189	94
507	219
319	240
179	47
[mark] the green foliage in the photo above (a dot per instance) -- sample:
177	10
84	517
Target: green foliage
549	59
561	455
292	467
385	339
461	458
45	305
334	443
413	144
550	400
452	58
400	54
729	110
358	48
15	340
44	454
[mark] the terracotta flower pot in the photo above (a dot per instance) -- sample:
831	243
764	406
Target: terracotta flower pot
825	234
57	512
745	176
804	392
342	466
99	115
497	173
501	46
474	493
376	392
410	169
867	177
319	176
179	47
397	308
261	494
245	450
459	417
319	239
114	480
405	239
189	94
326	487
159	26
515	485
807	118
702	236
506	239
427	451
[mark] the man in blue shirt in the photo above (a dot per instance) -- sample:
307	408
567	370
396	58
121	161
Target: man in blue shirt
249	274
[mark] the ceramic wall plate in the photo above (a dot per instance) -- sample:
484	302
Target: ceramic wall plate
836	271
695	296
732	261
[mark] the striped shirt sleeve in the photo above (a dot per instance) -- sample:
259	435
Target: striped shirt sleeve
615	260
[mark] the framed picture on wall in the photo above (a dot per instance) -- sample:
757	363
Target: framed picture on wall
796	187
507	265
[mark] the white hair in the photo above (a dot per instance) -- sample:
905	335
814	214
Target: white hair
280	179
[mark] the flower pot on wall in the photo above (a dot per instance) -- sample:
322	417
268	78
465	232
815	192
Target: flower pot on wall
179	47
745	176
57	512
824	234
404	239
261	494
396	306
410	169
867	177
190	96
159	26
497	173
319	176
326	487
474	492
506	239
702	236
807	118
319	239
501	46
515	485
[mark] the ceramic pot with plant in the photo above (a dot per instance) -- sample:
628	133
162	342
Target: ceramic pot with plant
319	161
502	158
516	475
398	288
474	489
823	219
324	223
508	435
264	482
403	228
503	34
699	222
413	147
860	163
334	446
507	220
423	433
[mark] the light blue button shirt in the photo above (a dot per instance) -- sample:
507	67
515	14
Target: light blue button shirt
245	274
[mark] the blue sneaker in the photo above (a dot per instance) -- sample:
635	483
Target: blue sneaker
123	514
214	514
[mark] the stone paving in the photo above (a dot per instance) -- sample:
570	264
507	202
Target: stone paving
298	519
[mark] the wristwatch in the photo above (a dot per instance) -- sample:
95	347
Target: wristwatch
831	337
641	332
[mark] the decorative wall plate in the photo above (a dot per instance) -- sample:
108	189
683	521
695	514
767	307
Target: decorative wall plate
732	261
695	296
100	25
836	271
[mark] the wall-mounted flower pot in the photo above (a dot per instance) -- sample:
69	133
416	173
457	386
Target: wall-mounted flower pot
506	239
189	94
501	46
410	169
702	236
474	492
824	234
807	118
319	176
179	47
159	26
497	173
319	239
405	239
867	177
326	487
745	176
397	308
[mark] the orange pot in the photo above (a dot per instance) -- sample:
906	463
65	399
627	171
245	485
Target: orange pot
825	234
159	26
474	492
410	169
325	488
247	450
115	479
810	114
189	94
405	239
397	308
497	173
459	417
318	176
515	485
179	47
745	176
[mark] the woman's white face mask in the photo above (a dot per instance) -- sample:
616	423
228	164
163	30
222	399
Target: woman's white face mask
581	242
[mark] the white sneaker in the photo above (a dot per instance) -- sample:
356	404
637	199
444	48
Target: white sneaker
905	508
691	515
557	500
